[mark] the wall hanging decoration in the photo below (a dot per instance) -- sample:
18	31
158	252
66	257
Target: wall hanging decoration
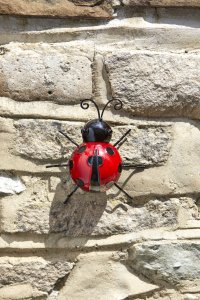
96	165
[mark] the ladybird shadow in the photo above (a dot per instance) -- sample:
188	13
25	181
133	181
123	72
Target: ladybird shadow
80	215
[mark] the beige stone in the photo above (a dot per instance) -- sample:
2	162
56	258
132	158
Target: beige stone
41	274
179	175
184	3
20	292
16	292
162	3
30	144
103	275
70	8
40	210
156	84
59	73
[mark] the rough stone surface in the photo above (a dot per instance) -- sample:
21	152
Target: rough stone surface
121	248
20	292
162	3
40	209
10	184
149	144
105	277
179	175
50	145
28	144
156	84
57	73
171	263
38	272
61	8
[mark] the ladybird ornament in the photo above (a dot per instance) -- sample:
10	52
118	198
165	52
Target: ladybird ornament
96	165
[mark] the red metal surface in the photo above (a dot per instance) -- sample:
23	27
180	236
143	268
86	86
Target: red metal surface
109	170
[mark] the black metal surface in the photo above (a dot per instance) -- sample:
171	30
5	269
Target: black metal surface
69	196
96	131
123	136
117	106
110	151
57	165
86	105
95	177
121	143
122	190
132	166
70	139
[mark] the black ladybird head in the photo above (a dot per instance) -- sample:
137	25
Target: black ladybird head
98	130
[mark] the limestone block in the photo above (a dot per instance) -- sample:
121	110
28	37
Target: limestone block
40	210
156	84
171	263
58	72
180	174
20	292
60	8
103	275
29	144
41	274
10	184
147	144
162	3
40	140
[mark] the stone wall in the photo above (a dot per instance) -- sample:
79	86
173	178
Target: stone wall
100	246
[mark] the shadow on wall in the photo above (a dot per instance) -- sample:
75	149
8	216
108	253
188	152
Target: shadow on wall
80	215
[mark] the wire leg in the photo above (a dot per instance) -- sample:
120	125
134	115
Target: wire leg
57	165
122	190
132	166
123	136
70	139
121	143
69	196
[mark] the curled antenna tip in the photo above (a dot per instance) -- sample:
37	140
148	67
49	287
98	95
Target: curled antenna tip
117	106
85	105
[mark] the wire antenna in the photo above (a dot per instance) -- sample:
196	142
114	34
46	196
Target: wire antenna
85	105
117	106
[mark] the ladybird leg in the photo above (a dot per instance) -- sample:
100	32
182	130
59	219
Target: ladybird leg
70	139
123	136
122	190
69	196
57	165
121	143
126	166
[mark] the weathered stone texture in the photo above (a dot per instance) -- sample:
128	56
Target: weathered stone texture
59	8
103	275
100	246
146	144
50	145
156	84
59	73
40	209
39	273
171	263
162	3
28	144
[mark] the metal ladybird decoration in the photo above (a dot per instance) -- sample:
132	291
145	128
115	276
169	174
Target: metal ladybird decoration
96	165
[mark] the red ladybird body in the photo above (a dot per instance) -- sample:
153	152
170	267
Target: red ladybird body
95	166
